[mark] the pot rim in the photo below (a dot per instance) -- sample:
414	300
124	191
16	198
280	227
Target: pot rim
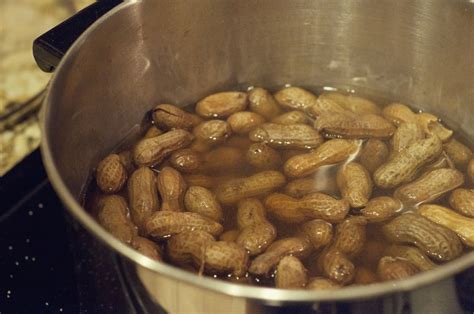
262	294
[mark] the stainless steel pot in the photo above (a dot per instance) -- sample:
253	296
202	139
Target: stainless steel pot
145	52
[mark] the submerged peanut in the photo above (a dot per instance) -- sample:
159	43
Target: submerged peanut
250	211
113	215
295	98
152	132
399	113
390	268
355	184
462	200
330	152
301	187
436	241
321	283
223	159
429	187
405	135
200	200
325	105
404	164
256	237
185	160
350	236
221	105
353	103
171	186
188	246
147	248
459	153
254	185
212	132
290	274
126	159
263	103
463	226
169	117
381	208
262	156
244	121
143	196
225	257
318	232
292	117
411	254
373	154
111	174
336	266
200	180
298	136
230	235
152	151
364	276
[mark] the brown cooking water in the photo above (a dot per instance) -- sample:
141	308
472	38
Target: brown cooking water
324	178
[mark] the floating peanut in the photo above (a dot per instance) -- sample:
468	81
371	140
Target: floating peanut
353	103
152	151
381	208
263	103
225	257
373	154
318	232
244	121
265	262
230	235
201	201
147	248
434	240
430	186
250	211
169	117
152	132
262	156
143	196
200	180
185	160
172	187
459	153
320	283
350	236
289	153
405	164
431	126
292	117
221	105
254	185
188	246
295	98
314	205
391	268
463	226
301	187
399	113
111	174
126	159
325	105
355	184
470	170
344	125
298	136
290	274
411	254
364	276
330	152
462	200
336	266
223	159
405	135
163	224
212	131
113	215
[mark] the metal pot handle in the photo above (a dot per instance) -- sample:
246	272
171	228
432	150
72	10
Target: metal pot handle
50	47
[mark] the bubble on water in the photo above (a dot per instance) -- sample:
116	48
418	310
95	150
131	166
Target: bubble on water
60	309
26	257
40	205
27	240
33	259
46	303
10	248
17	264
11	276
30	213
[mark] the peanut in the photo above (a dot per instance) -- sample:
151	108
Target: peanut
221	105
430	186
111	174
404	164
223	159
434	240
431	126
330	152
459	153
143	196
344	125
152	132
147	248
320	283
292	117
295	98
390	268
263	103
152	151
126	159
289	153
301	187
315	205
212	132
325	105
336	266
470	170
463	226
114	217
405	135
373	154
250	211
200	180
290	273
353	103
265	262
185	160
223	257
244	121
350	236
172	187
399	113
169	117
262	156
188	246
318	232
364	276
163	224
355	184
230	235
201	201
462	200
381	208
411	254
300	136
254	185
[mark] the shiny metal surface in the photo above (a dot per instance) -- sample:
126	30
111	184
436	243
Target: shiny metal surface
145	52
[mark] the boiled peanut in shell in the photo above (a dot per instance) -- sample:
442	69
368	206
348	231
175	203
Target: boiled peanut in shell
111	174
290	274
113	215
300	136
391	268
143	196
221	105
167	117
355	184
462	200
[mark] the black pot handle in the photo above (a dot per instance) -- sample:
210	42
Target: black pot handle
49	48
